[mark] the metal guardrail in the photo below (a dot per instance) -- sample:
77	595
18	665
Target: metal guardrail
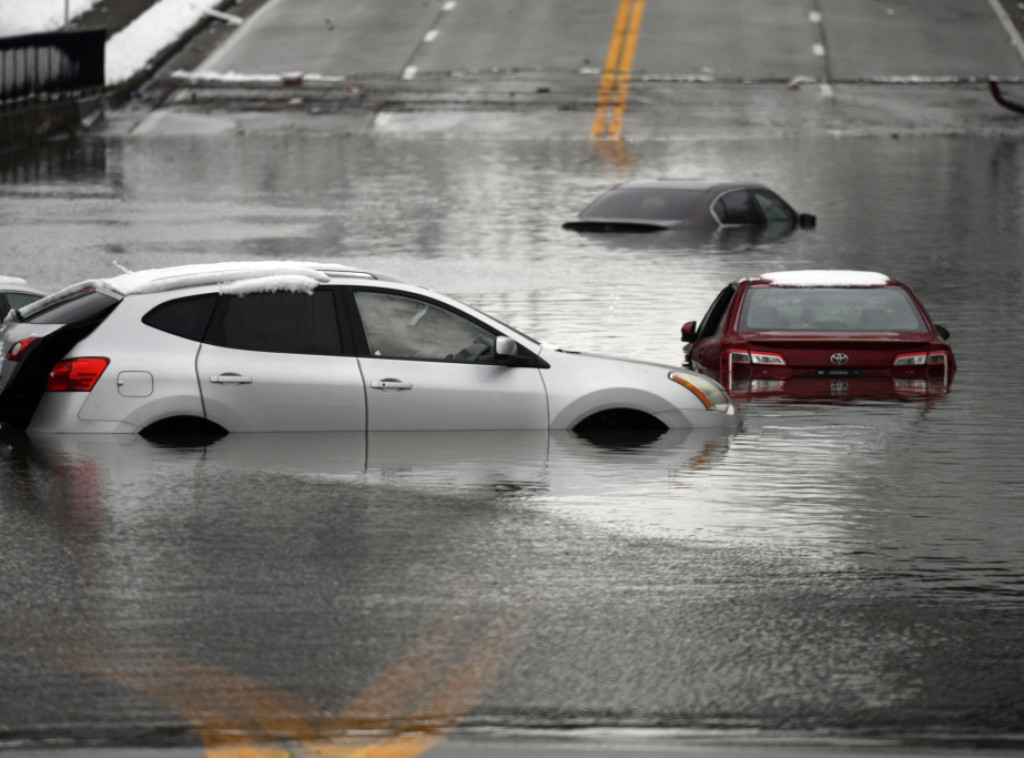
51	65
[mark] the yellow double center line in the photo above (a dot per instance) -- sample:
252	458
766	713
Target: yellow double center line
404	712
614	92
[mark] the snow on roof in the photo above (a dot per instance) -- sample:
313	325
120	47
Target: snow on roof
196	275
826	278
239	278
297	283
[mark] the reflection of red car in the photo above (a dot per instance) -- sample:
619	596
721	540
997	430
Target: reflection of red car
830	333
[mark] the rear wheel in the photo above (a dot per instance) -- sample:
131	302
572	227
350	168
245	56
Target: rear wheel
187	430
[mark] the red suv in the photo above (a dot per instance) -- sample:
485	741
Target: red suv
848	333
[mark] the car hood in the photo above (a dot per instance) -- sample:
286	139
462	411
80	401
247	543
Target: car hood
553	353
576	380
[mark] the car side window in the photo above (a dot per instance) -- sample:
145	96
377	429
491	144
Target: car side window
737	207
716	313
773	207
278	322
185	317
19	299
400	326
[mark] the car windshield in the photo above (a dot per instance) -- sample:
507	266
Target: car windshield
647	202
830	309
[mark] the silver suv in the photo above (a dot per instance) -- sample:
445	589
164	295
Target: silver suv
293	346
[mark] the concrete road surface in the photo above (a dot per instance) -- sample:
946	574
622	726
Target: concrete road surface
611	69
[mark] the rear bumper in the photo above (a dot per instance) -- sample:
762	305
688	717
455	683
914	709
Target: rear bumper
813	387
59	412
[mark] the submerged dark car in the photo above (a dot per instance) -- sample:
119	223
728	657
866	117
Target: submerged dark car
653	205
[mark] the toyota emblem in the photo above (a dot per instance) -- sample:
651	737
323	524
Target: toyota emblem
839	359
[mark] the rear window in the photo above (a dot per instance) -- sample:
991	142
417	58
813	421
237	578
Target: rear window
648	203
860	309
86	306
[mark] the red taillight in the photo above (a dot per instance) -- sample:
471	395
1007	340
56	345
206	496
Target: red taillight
767	359
76	374
911	359
929	364
18	348
742	363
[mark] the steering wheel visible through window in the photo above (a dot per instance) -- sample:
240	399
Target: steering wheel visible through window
398	326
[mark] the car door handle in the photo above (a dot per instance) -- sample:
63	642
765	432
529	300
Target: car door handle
391	384
230	378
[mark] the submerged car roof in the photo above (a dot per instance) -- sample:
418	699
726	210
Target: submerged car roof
687	184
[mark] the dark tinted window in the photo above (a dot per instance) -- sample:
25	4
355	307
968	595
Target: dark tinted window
774	207
187	317
18	299
86	306
713	320
278	322
645	202
737	207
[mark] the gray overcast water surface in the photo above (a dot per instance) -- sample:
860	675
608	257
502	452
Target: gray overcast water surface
844	566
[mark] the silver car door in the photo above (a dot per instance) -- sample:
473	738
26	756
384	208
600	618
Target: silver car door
432	369
275	362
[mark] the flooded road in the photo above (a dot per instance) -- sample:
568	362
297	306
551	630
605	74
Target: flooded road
839	570
836	577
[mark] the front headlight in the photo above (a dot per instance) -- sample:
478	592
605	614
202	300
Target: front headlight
707	391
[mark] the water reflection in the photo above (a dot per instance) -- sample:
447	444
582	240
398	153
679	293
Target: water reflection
556	464
865	485
725	239
839	390
62	162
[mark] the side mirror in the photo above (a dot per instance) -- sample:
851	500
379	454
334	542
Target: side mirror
689	331
505	346
943	331
808	221
506	349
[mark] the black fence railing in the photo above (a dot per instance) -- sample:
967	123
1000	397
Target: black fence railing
53	65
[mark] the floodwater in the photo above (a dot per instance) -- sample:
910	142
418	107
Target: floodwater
834	567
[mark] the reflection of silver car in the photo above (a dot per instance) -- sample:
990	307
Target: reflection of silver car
14	293
312	347
558	464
